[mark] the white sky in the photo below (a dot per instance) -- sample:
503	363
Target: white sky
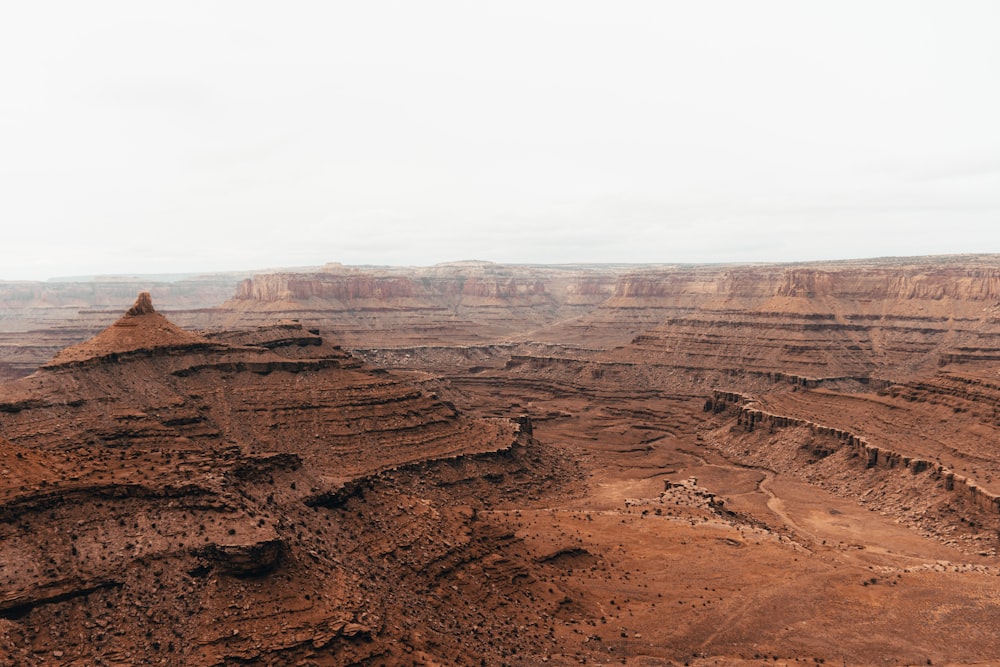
177	136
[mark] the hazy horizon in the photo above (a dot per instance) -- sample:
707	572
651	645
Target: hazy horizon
235	136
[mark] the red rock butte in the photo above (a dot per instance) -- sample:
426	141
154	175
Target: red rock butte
141	328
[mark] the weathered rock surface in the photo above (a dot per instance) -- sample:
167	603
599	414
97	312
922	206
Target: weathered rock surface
38	319
818	322
723	465
155	504
461	302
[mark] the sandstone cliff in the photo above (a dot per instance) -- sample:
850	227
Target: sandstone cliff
462	302
822	321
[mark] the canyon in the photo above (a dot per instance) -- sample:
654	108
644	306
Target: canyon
483	464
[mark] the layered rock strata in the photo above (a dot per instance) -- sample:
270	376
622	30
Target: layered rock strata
213	499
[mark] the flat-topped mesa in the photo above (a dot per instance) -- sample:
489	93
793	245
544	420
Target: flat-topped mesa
140	328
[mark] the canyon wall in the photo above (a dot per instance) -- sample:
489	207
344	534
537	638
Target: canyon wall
465	302
822	321
879	319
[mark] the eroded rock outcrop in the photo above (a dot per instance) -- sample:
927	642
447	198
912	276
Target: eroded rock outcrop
892	321
950	486
140	330
278	287
465	302
162	500
38	319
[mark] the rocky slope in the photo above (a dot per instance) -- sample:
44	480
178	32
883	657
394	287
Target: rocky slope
723	465
170	497
847	406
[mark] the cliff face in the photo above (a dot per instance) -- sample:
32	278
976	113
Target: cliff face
357	286
823	321
918	283
466	302
303	287
680	283
900	283
875	320
501	288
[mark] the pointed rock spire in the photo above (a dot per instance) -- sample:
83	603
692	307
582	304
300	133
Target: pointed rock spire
143	306
140	328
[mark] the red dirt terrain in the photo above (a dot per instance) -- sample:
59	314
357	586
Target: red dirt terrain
476	464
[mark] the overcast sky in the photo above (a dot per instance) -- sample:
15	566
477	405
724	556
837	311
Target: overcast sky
187	136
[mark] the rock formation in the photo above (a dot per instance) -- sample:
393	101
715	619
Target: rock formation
38	319
190	499
706	465
462	302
